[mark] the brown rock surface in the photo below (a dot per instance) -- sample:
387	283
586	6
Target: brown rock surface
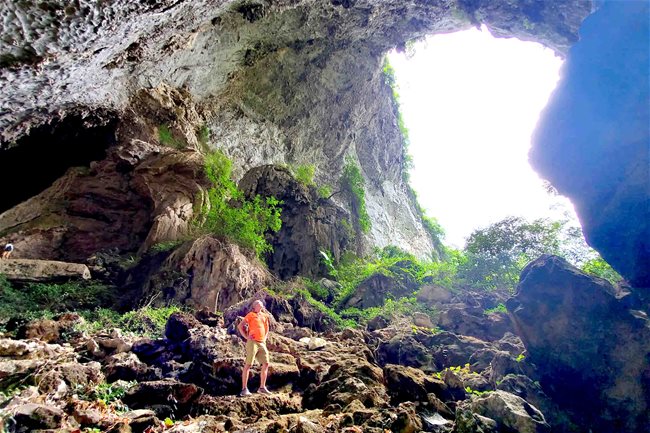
42	270
205	272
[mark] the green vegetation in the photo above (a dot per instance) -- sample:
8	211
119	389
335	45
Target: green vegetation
110	393
353	183
203	136
229	214
405	306
146	321
325	191
598	267
520	357
166	138
305	174
496	255
469	390
390	80
45	301
431	225
498	309
36	300
165	246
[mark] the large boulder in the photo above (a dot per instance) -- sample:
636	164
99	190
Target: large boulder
474	322
591	349
511	413
347	381
375	289
205	272
42	270
593	138
32	416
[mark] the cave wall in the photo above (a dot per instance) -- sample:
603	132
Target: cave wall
290	81
593	139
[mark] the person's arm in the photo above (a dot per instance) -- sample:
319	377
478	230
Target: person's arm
267	325
241	330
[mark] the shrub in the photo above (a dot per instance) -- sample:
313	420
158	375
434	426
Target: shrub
327	311
353	183
305	174
229	214
148	321
99	319
36	300
325	191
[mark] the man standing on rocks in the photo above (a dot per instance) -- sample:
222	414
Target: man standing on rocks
255	329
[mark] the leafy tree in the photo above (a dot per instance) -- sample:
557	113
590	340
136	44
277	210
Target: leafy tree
600	268
496	255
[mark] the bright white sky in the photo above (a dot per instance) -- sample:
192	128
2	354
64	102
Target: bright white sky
471	102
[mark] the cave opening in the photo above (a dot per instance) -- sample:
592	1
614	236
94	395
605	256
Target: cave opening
39	158
470	103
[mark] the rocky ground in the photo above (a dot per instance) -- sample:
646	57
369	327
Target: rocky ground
472	373
391	377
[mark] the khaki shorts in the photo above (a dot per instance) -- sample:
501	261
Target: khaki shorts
256	350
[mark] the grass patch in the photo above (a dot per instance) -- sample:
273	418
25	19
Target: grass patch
165	246
324	191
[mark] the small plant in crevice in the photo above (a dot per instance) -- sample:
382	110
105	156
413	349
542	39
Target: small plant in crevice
166	138
500	308
203	137
304	174
325	192
353	183
160	247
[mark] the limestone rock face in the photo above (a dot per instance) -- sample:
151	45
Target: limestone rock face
310	224
591	344
295	81
139	195
593	140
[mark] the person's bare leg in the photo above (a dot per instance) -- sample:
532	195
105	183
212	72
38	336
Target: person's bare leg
244	376
263	374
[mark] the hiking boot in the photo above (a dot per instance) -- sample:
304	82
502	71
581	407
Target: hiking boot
264	391
245	392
